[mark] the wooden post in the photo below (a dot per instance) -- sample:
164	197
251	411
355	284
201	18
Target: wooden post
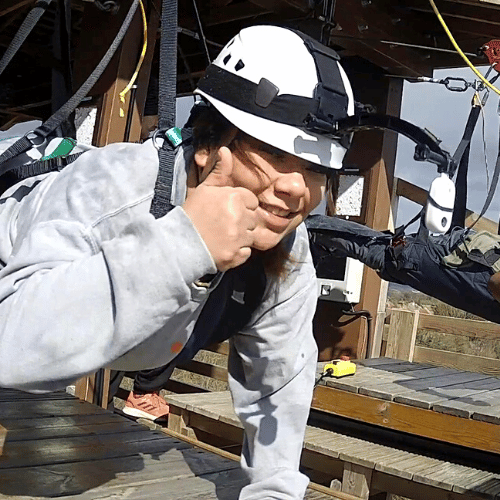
373	153
356	480
110	125
3	436
402	334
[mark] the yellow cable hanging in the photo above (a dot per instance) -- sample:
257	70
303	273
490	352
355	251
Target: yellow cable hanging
124	92
459	50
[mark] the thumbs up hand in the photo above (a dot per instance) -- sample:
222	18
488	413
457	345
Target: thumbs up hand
223	215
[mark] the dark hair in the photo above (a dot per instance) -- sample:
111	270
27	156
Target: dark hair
210	129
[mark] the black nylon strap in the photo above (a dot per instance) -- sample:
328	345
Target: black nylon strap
24	144
161	203
22	33
240	93
43	166
467	135
460	209
493	187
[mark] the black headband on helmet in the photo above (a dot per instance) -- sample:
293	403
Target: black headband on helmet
329	103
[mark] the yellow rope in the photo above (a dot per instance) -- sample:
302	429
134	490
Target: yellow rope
124	92
459	50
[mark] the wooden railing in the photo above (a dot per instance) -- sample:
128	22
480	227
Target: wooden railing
400	335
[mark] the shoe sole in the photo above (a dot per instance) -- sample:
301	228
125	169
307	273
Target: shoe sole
134	412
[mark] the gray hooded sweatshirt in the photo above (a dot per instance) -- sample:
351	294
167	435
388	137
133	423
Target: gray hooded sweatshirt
92	280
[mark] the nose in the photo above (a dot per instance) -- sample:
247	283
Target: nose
292	187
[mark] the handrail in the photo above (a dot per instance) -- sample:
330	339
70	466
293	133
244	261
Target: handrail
401	332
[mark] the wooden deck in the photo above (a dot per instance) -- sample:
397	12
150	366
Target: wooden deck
445	404
362	464
404	428
55	445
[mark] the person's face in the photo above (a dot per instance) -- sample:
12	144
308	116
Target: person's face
285	185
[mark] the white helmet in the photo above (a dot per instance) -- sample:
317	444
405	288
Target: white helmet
283	88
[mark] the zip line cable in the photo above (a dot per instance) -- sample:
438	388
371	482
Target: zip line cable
459	50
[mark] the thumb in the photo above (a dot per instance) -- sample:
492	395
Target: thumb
220	175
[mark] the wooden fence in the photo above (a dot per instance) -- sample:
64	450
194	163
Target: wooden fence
400	336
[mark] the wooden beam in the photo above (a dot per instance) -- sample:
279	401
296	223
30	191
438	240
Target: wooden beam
461	327
494	4
430	424
8	6
467	362
365	24
228	14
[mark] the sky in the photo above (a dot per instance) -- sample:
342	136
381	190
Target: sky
445	113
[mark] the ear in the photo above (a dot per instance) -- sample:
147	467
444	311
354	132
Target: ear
205	160
201	157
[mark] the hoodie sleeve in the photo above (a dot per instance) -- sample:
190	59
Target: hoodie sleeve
272	369
91	274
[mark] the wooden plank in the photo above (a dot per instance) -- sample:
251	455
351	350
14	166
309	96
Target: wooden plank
9	6
327	492
405	418
408	488
82	448
222	348
402	334
458	326
66	431
466	362
40	408
206	369
101	476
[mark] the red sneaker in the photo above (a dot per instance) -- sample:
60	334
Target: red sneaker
150	405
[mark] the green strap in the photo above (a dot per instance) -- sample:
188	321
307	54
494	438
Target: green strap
63	149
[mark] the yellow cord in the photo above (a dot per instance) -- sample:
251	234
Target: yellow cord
124	92
459	50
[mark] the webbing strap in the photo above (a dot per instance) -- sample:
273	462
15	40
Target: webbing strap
24	30
43	166
467	135
460	209
493	187
42	132
161	203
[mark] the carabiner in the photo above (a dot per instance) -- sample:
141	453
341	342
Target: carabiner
455	88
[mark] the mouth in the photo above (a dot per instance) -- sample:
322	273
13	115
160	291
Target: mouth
277	211
276	219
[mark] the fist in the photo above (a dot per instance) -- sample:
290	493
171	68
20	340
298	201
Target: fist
224	215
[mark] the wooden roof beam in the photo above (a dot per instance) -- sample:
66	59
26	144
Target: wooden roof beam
493	4
8	6
231	13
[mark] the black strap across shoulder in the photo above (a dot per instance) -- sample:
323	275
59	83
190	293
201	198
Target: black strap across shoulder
40	135
161	203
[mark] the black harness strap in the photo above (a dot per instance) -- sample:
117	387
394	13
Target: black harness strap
22	33
39	135
161	203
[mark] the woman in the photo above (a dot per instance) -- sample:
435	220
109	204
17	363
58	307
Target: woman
92	279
